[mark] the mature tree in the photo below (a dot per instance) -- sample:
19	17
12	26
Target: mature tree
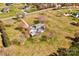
61	51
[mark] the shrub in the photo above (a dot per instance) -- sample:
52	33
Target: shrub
36	21
31	39
61	51
4	36
76	39
19	39
15	42
5	39
44	38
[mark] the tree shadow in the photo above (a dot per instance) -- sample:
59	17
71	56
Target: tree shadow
75	24
53	54
60	52
36	21
14	18
70	38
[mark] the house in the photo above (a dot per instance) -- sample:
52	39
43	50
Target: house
5	9
36	29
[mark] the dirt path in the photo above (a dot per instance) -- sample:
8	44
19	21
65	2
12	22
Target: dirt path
39	11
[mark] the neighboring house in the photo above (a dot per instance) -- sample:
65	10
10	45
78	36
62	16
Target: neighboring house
37	28
58	6
5	9
47	5
25	8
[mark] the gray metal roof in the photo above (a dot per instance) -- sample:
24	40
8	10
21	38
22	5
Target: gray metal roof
37	28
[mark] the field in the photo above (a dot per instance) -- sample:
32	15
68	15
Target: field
55	22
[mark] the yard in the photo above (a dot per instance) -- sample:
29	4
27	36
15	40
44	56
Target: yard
45	43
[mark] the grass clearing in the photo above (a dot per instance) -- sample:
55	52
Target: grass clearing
55	22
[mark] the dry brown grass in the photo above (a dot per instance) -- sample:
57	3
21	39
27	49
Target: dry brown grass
55	22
